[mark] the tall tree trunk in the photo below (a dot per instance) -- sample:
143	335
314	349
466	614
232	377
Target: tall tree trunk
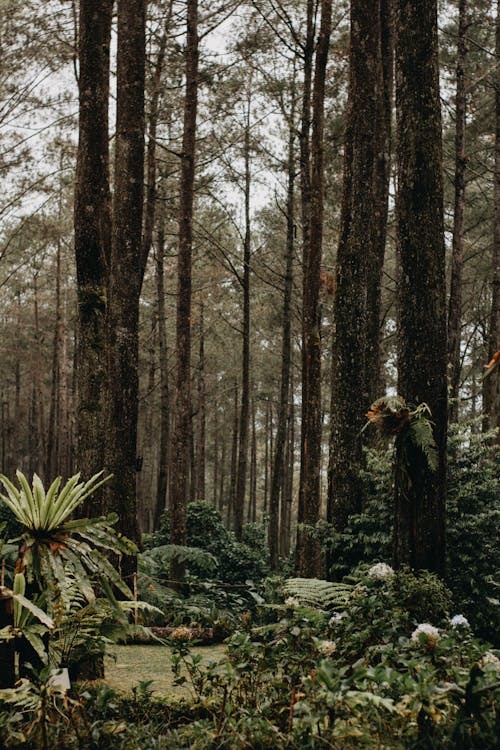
491	384
360	242
252	505
287	492
201	437
245	363
384	66
38	421
277	473
179	474
455	301
216	464
163	448
308	553
92	221
222	473
420	520
234	460
54	427
127	265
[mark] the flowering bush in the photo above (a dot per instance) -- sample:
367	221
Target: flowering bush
426	635
380	571
459	621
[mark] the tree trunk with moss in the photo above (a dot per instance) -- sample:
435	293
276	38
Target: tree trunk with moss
127	265
455	302
364	208
420	520
92	222
181	438
491	384
308	552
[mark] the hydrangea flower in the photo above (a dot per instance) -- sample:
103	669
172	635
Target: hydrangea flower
327	648
380	572
426	634
292	602
336	618
490	659
459	621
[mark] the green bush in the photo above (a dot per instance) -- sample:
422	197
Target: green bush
237	562
473	519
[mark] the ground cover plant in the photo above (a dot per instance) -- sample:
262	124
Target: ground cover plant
392	668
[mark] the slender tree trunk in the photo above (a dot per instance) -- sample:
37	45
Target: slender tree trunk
384	66
215	472
308	553
455	301
182	429
163	448
277	474
52	456
222	472
245	366
491	384
92	220
38	421
234	460
127	265
200	448
266	460
420	521
287	493
252	505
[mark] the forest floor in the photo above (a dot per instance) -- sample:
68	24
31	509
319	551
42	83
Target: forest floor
126	666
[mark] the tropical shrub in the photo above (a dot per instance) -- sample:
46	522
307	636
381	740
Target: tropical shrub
237	562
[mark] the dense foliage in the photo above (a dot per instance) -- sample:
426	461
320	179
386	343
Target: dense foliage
385	671
473	518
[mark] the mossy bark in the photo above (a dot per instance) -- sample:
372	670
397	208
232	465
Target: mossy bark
362	240
419	534
128	260
92	223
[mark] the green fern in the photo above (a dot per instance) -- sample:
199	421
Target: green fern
156	561
422	437
318	594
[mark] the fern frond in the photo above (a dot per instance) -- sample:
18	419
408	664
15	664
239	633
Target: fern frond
313	592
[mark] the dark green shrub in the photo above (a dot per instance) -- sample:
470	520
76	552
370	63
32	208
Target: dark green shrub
237	562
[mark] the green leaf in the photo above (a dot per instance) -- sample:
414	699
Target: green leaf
36	611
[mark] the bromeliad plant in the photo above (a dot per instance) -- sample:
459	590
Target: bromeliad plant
54	548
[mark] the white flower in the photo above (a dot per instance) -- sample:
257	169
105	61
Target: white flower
327	648
459	621
490	659
336	618
380	571
426	634
292	602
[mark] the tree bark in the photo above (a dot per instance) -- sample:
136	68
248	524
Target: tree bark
455	301
308	552
92	222
179	474
201	437
245	357
491	384
163	448
420	522
277	475
384	66
234	460
127	265
361	240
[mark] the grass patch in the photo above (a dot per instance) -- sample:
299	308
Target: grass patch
126	666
